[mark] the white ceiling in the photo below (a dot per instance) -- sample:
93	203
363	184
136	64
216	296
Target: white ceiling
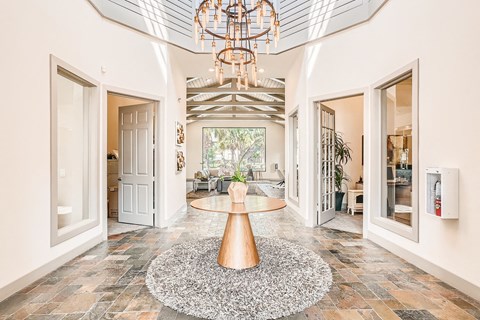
302	21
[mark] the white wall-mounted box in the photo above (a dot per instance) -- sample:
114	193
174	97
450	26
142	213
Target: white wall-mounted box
448	178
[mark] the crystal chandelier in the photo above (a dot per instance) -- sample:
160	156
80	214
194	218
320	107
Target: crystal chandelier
237	35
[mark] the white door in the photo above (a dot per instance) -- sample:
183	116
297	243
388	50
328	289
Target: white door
325	164
136	174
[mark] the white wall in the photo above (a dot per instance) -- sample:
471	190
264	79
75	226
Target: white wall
275	144
441	38
74	32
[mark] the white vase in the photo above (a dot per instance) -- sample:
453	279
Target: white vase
237	192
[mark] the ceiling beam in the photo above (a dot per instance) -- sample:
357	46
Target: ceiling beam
280	97
193	118
234	90
234	103
234	112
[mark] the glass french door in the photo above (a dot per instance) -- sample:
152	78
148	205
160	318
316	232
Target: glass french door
325	164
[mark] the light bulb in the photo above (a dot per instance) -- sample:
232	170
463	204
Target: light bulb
246	81
254	74
204	17
275	39
233	64
267	46
196	37
272	19
214	51
237	33
240	7
202	42
217	70
253	4
277	28
242	60
259	12
231	27
221	76
219	11
239	80
255	50
215	23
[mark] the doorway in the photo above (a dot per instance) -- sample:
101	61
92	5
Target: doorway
339	163
130	163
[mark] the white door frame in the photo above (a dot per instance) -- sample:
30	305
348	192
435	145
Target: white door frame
159	110
311	196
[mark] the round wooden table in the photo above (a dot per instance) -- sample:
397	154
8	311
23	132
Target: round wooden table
238	250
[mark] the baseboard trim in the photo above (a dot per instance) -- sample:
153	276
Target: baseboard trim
178	214
42	271
446	276
294	213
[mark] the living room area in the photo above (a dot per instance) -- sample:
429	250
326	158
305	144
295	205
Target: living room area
238	129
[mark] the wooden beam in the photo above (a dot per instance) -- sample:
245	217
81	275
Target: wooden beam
234	90
234	103
193	118
235	112
209	109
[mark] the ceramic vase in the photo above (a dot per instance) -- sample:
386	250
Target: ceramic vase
237	192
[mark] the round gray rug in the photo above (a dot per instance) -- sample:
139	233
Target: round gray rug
289	279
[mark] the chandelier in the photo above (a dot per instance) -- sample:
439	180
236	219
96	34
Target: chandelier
244	24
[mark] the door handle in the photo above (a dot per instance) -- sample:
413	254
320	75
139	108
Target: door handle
119	178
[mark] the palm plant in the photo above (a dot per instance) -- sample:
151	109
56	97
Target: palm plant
342	156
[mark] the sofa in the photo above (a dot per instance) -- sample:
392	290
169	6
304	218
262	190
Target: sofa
208	180
222	184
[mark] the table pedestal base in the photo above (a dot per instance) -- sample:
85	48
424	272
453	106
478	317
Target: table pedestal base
238	250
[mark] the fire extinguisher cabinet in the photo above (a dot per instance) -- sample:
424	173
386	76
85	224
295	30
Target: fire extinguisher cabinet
442	192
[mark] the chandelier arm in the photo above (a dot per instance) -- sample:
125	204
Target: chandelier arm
222	60
234	17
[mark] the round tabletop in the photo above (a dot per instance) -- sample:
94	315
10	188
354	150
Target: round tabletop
252	204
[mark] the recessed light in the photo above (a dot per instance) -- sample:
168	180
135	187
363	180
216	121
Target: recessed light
211	70
261	70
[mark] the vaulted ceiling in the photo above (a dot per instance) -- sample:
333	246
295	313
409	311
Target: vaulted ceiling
302	21
208	100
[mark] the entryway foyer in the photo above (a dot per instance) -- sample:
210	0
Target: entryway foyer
239	159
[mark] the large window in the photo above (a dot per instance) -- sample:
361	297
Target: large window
397	97
224	148
294	144
74	189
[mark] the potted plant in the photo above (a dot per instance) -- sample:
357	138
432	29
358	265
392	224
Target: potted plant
237	190
342	156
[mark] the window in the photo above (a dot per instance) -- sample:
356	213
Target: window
73	131
224	148
398	104
294	157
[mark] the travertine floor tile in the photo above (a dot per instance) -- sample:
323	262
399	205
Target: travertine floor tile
108	281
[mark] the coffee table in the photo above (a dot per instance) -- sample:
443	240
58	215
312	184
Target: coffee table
238	249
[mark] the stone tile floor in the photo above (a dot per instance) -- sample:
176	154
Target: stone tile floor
346	222
115	227
107	282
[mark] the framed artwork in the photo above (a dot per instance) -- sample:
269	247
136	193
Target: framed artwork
180	161
179	133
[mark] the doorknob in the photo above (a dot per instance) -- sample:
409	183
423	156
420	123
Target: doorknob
119	178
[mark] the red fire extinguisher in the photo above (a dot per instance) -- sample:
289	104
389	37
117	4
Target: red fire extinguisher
438	199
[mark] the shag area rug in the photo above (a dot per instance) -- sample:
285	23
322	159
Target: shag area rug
289	279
